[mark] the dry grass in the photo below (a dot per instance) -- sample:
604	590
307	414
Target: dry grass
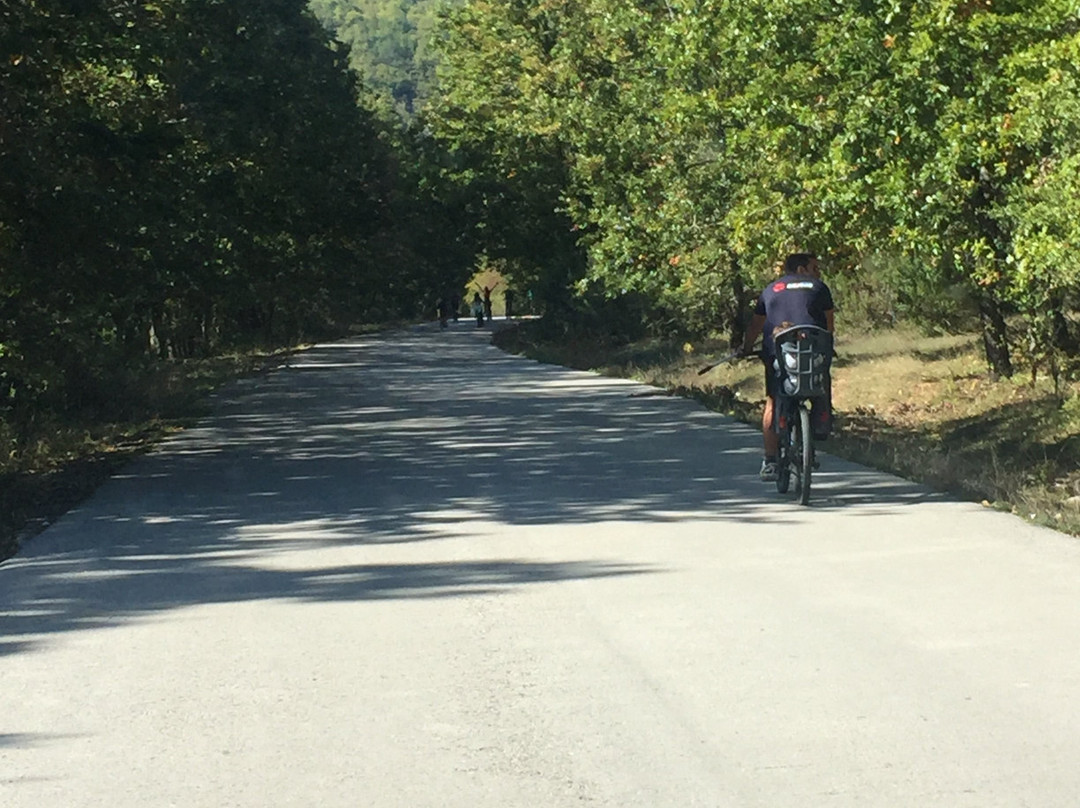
923	407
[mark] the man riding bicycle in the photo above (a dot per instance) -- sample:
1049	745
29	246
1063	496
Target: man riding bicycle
798	297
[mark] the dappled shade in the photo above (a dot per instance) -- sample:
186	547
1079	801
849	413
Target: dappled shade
395	440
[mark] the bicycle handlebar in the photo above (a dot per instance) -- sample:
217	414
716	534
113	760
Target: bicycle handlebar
731	357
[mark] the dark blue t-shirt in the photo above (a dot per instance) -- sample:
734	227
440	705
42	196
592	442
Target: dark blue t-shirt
792	300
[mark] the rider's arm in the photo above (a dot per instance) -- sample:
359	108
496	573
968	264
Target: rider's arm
753	331
829	320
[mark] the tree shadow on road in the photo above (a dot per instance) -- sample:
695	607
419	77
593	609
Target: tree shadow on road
392	441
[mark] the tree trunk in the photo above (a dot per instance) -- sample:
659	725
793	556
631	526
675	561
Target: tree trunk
995	338
1061	336
743	299
160	335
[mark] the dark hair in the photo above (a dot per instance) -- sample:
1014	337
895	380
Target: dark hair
796	260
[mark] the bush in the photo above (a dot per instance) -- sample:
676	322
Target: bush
888	289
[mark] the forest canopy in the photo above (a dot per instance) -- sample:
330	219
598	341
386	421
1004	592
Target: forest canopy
927	149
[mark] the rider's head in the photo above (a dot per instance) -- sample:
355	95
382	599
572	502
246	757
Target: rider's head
802	264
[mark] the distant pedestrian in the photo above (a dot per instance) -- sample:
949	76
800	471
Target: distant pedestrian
508	299
487	301
478	310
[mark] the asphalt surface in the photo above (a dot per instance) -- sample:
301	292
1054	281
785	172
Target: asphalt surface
410	570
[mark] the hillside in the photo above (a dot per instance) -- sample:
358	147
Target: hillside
389	45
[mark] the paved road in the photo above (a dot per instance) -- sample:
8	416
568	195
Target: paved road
412	571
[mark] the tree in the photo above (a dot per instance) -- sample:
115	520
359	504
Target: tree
390	45
181	177
692	144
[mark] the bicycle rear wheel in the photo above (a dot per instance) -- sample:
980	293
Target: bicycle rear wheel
805	440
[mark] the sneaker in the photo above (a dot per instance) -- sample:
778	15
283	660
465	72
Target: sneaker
768	471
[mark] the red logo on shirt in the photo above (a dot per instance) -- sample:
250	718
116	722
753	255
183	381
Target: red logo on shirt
779	287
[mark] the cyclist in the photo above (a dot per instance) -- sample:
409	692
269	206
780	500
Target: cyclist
797	297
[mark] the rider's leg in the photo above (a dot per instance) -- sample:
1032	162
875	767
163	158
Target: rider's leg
772	442
768	434
822	416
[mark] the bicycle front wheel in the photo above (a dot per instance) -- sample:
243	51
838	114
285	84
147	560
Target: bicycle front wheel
806	446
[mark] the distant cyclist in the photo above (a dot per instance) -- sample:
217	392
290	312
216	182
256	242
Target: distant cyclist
798	297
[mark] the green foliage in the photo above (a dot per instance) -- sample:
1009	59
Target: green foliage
691	144
390	45
180	177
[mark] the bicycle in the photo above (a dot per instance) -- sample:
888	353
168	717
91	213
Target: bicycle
803	359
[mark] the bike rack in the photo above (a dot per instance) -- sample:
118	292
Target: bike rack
804	358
